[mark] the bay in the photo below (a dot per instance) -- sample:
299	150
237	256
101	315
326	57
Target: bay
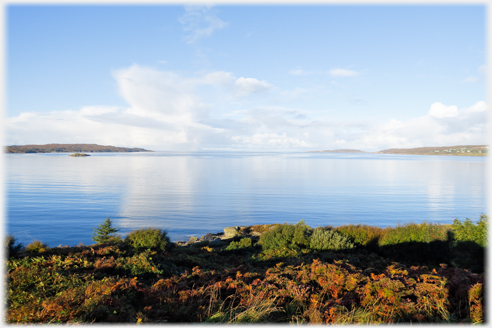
59	199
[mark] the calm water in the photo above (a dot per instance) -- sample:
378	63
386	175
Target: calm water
58	199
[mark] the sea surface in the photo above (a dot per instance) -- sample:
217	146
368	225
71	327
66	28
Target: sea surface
59	199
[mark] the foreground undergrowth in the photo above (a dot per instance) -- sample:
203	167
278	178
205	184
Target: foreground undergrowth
291	274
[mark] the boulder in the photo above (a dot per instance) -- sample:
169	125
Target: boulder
192	240
207	237
230	232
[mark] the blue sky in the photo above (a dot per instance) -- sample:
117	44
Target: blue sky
246	77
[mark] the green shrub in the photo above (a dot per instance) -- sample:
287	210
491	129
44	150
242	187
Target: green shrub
281	252
243	243
412	232
467	231
104	233
139	263
287	235
361	234
329	240
149	238
36	247
12	248
468	244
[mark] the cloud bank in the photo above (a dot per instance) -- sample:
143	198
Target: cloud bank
216	110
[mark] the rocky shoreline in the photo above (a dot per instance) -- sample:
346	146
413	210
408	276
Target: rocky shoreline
230	234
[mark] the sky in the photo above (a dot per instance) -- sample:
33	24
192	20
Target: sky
171	77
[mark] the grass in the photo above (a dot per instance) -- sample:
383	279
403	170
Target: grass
374	282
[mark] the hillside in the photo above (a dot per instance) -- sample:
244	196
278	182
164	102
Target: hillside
481	150
70	148
470	150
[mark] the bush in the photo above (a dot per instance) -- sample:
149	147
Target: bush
243	243
11	248
412	232
149	238
104	233
287	236
467	231
362	234
36	247
329	240
468	244
139	263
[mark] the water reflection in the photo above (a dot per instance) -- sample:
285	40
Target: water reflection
59	199
157	187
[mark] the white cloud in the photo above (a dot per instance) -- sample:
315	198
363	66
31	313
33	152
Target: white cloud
271	140
246	86
442	126
215	110
200	22
340	72
440	110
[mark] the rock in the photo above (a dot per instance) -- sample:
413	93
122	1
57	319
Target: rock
192	240
230	232
216	243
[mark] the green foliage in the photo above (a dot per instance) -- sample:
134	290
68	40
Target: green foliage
139	263
149	238
467	231
412	232
362	234
329	240
104	233
113	284
469	242
287	235
280	252
36	247
12	248
243	243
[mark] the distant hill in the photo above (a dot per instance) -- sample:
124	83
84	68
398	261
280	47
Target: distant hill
470	150
337	151
71	148
481	150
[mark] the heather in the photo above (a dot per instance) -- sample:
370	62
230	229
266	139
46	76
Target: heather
283	273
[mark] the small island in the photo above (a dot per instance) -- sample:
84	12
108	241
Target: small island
79	155
71	148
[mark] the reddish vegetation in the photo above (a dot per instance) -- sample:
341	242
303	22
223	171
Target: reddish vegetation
245	283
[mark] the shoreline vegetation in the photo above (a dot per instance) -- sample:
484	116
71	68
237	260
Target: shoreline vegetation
274	273
70	148
469	150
